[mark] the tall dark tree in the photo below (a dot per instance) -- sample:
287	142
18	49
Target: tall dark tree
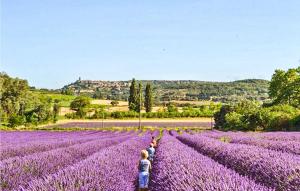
56	109
148	98
133	97
139	102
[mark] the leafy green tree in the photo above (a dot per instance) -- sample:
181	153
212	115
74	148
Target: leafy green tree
16	120
277	84
219	116
41	111
133	96
285	87
13	94
235	121
148	98
171	107
80	105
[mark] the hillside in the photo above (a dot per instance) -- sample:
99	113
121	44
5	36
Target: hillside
186	90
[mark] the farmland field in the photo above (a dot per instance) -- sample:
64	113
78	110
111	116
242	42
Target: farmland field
106	160
135	123
150	95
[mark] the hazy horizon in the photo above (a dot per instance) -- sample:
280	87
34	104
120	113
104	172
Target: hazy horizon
137	80
52	43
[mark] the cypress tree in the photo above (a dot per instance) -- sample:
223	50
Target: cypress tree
148	98
139	102
132	100
56	109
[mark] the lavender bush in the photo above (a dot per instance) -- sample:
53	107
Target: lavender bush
113	168
256	139
48	144
274	169
18	171
178	167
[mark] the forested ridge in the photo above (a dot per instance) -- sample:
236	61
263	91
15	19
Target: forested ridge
166	90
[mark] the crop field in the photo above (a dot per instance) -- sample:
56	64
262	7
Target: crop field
185	160
65	101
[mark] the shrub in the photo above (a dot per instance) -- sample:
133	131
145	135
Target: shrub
295	123
234	121
114	103
16	120
250	116
172	108
220	116
100	115
71	116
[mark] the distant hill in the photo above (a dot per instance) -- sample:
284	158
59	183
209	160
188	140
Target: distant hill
187	90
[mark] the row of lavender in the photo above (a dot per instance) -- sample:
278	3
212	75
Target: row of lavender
278	141
273	169
113	168
47	157
178	167
18	171
273	136
24	137
46	142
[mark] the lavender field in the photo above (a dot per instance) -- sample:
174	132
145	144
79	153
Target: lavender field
107	160
204	125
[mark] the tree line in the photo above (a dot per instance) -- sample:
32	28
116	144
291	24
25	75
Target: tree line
226	92
20	106
138	99
281	113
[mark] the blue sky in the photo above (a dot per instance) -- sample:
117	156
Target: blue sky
53	42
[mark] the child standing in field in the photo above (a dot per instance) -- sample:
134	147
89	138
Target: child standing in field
154	142
151	152
144	167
